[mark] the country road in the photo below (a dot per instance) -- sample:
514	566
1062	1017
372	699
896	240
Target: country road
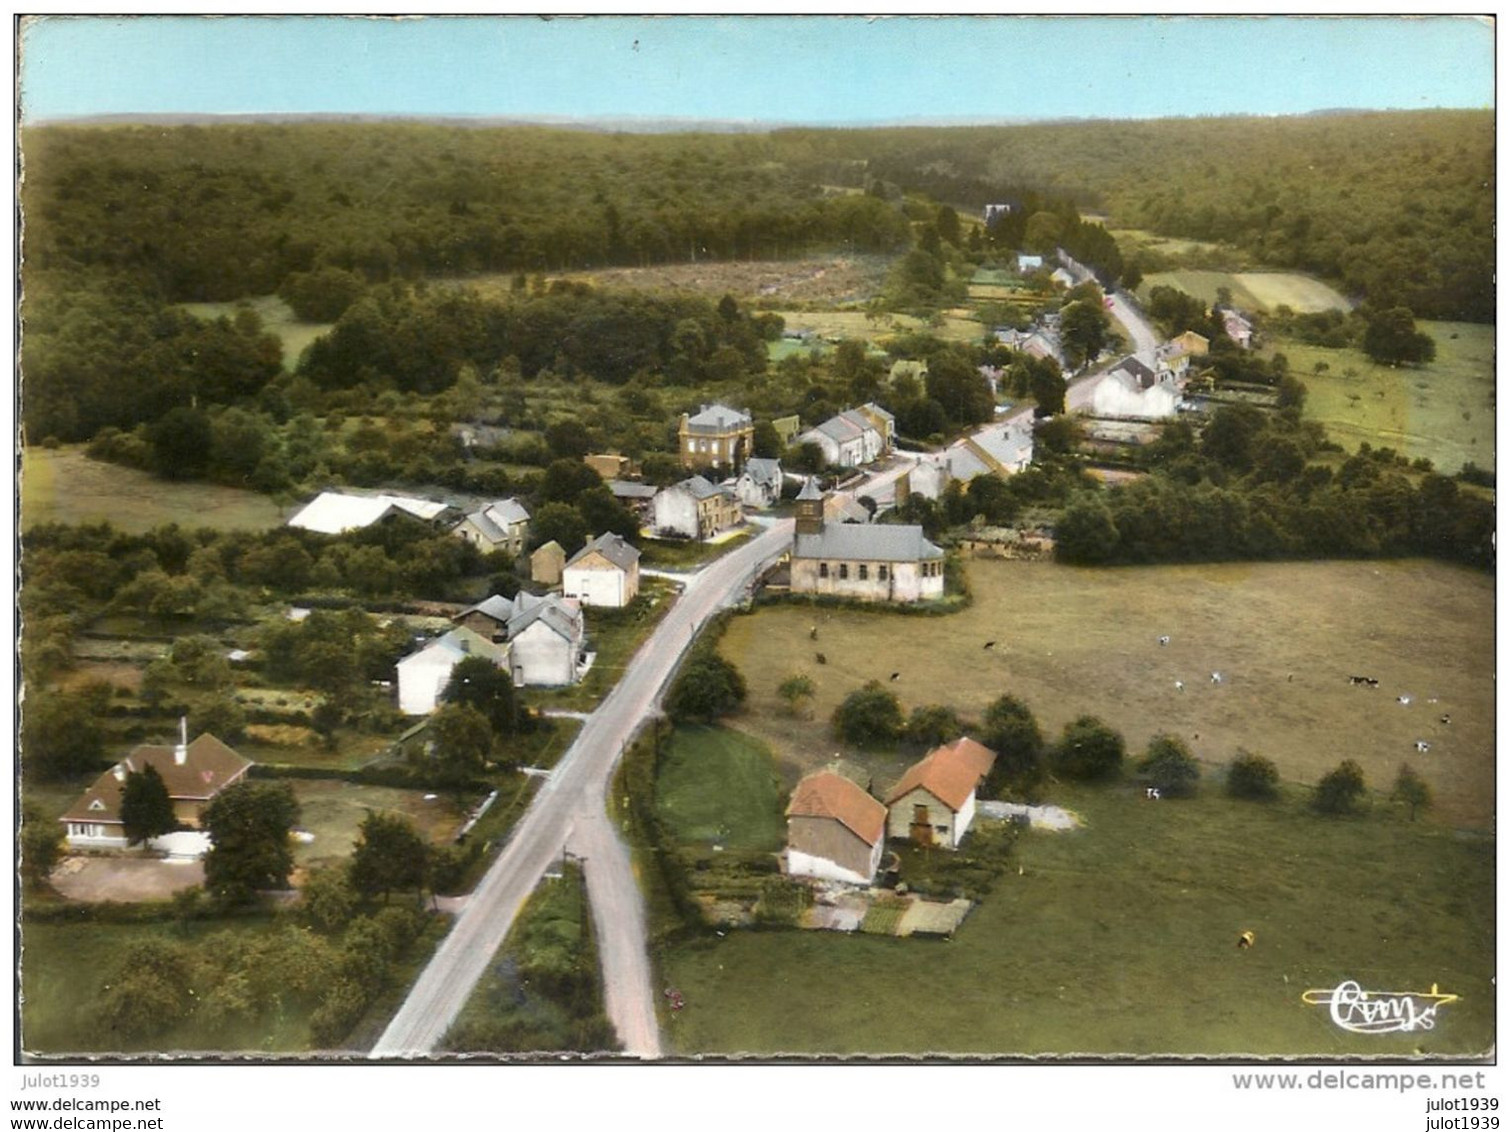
569	812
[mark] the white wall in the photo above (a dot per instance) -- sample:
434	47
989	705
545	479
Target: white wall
800	864
421	679
602	587
675	512
541	656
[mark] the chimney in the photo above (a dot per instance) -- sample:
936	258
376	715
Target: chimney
181	752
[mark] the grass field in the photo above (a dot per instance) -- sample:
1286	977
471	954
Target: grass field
277	319
1119	938
334	811
1444	411
1182	251
1072	641
1252	290
720	787
63	485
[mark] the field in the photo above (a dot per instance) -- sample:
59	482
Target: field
1074	641
720	787
858	324
816	279
277	319
63	485
1175	249
1252	290
1119	938
334	811
1443	411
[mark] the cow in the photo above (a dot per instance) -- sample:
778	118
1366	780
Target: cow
1422	746
1403	701
1163	640
821	659
1216	677
1152	794
1245	941
1445	720
1179	685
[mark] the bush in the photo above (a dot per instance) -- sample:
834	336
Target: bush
869	716
1341	790
1253	777
1089	750
1169	766
707	688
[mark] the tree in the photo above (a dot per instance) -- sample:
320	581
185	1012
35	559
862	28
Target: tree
479	683
146	808
1169	765
561	522
569	440
150	991
1047	385
1340	790
461	741
327	899
181	441
1390	336
796	691
60	735
249	826
1010	730
767	444
932	725
707	687
1086	534
1089	750
390	855
41	846
1411	789
869	717
1084	329
1253	777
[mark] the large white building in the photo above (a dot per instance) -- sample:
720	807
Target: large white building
862	561
335	512
605	572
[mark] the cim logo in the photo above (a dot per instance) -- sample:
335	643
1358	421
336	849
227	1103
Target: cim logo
1379	1012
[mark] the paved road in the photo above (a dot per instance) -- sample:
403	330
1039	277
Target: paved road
569	810
1144	340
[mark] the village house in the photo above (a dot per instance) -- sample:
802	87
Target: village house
605	572
835	830
1027	264
1237	327
854	437
927	478
609	465
193	773
759	485
423	675
546	564
335	512
997	450
634	495
503	525
863	561
787	429
994	212
1132	390
489	618
544	634
934	801
694	509
716	435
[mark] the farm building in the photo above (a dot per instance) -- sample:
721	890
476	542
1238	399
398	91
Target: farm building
867	562
193	773
605	572
546	564
716	434
497	526
694	509
759	485
835	830
334	512
934	801
422	675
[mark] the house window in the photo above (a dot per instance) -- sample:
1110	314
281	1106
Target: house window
843	571
823	569
864	572
881	572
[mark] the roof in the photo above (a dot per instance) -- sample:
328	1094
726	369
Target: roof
1132	365
763	470
718	418
565	619
827	794
876	543
333	512
870	408
610	546
1008	446
838	429
209	766
459	644
552	547
698	487
810	489
508	510
498	607
628	489
950	773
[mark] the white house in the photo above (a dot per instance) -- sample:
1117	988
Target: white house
759	485
503	525
934	802
605	572
545	641
334	512
1131	389
835	830
853	437
694	509
423	675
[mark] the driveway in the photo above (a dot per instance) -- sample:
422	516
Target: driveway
129	880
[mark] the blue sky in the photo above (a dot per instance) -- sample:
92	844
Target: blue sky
812	69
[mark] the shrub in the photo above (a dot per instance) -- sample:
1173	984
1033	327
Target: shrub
1253	777
1341	790
1089	750
869	716
1412	790
1169	765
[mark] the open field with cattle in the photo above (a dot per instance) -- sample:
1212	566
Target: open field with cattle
1120	939
1443	410
62	485
1285	638
1251	290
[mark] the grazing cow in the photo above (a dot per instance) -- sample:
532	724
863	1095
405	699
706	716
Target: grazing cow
1403	701
1372	682
1163	640
1357	679
896	676
1216	677
1445	720
1422	746
1179	685
989	645
1152	794
821	658
1245	941
812	634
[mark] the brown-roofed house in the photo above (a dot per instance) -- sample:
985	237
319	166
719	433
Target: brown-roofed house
934	802
193	773
835	830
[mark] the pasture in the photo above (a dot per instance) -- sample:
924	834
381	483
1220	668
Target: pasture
62	485
277	319
1119	939
1070	641
1251	290
1443	411
717	786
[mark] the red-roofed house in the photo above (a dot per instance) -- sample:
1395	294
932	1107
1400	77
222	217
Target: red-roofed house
835	830
934	803
193	773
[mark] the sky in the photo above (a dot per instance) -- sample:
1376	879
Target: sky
817	69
